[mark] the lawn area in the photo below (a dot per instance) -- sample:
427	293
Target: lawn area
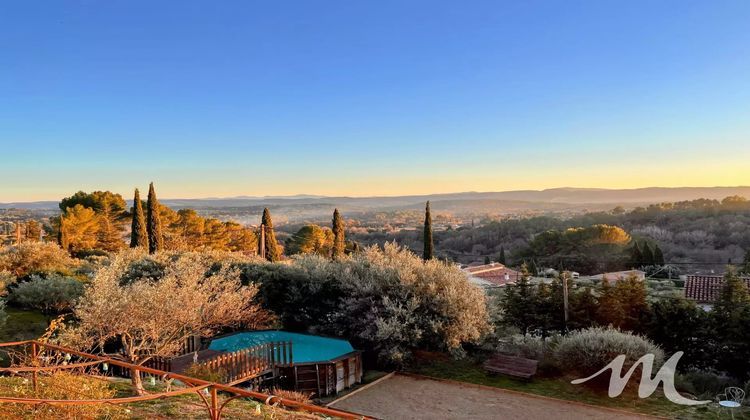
469	370
22	324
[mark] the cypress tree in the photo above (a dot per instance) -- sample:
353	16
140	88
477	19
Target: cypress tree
339	242
62	234
427	233
501	258
533	268
153	222
272	247
658	256
138	233
648	255
636	257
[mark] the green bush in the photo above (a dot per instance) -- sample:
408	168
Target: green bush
53	294
530	347
702	384
387	301
585	352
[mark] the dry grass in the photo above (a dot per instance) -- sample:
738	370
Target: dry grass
59	386
64	385
293	395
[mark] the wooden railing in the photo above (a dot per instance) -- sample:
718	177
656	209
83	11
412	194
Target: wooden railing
213	400
250	362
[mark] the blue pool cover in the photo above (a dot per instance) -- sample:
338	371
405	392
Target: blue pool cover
305	348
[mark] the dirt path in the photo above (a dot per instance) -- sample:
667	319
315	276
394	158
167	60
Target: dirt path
404	397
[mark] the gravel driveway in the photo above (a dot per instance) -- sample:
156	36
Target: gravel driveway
404	397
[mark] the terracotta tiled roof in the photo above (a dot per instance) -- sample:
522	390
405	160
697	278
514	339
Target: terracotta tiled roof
706	288
494	273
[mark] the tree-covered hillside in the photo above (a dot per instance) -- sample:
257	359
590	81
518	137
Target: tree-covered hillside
704	233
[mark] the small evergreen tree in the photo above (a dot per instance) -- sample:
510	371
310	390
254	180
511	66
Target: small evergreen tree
648	254
271	246
730	323
658	256
610	311
551	307
487	260
428	253
734	294
676	324
636	256
583	305
746	263
520	303
339	241
138	233
501	258
533	268
632	296
153	222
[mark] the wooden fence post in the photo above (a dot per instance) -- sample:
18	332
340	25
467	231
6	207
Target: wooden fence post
34	355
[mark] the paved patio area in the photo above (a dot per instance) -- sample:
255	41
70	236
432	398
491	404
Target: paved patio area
405	397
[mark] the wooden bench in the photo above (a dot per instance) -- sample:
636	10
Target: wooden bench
511	365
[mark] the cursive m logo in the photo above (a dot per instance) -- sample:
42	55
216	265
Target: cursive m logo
648	385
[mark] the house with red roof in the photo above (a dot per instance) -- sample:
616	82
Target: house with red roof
492	275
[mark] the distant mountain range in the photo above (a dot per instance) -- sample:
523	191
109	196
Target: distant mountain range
554	199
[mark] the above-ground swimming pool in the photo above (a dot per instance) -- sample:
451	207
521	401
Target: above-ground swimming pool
307	348
319	365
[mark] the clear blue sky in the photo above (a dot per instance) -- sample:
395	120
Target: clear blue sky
371	97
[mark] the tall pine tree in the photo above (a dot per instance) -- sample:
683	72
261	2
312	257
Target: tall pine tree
153	222
109	237
339	241
273	253
428	253
138	232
